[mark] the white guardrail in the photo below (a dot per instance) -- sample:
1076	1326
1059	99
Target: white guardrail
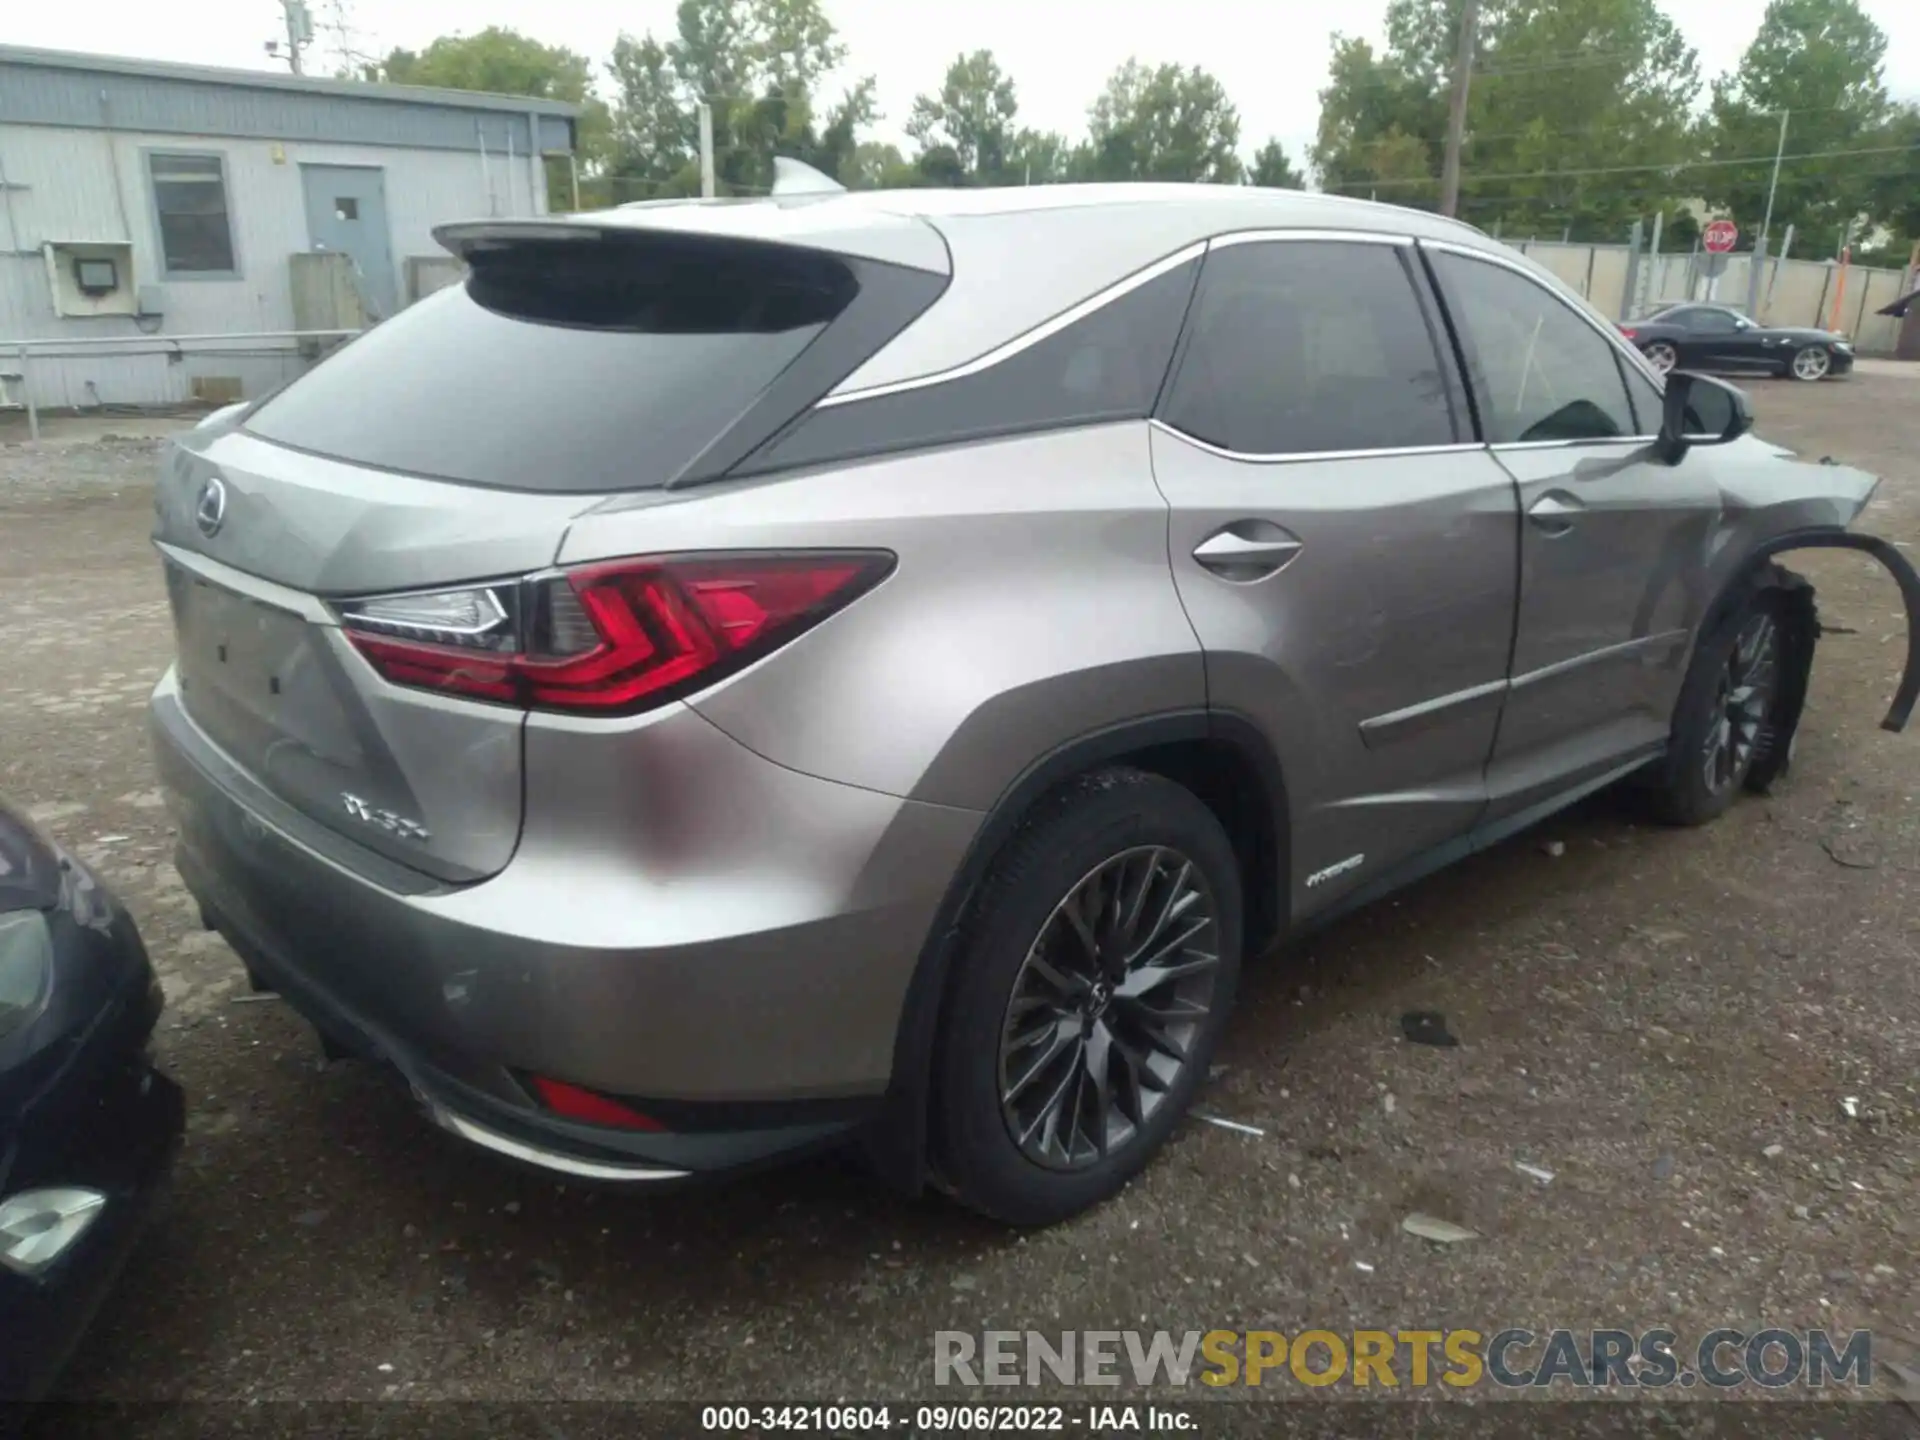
24	351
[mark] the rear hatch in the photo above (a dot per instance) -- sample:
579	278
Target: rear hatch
408	485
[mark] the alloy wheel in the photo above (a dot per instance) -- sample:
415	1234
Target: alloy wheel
1812	363
1742	701
1107	1006
1662	356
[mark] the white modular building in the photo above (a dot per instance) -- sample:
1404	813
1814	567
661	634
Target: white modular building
200	215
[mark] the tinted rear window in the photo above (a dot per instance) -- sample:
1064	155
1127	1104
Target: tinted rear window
567	366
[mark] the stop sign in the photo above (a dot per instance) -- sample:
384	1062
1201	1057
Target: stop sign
1719	236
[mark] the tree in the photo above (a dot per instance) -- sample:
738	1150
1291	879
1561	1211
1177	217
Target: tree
1041	157
504	62
1382	118
653	142
1821	61
758	65
972	115
1577	118
496	61
1896	192
878	166
1165	123
1272	169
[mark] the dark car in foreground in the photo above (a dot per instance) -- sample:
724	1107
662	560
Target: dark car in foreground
87	1125
1714	338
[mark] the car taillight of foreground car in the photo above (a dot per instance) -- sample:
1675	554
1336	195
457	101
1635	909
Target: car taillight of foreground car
608	638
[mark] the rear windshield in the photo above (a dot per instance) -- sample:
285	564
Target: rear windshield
566	365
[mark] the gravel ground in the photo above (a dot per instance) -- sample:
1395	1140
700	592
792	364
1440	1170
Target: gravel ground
1666	1021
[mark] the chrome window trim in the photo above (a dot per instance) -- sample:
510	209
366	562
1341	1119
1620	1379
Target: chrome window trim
1291	457
1099	300
1268	237
1586	442
1598	326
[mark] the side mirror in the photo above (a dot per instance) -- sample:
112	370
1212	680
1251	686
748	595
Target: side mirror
1701	410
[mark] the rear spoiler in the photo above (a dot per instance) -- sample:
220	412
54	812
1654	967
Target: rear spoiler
845	226
465	237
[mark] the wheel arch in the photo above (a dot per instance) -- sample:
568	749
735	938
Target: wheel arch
1754	572
1221	757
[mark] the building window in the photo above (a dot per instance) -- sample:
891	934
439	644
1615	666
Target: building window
190	197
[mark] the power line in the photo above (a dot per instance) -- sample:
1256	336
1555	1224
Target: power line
1676	166
1474	136
1587	201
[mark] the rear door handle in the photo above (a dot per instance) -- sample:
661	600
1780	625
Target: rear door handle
1247	550
1555	512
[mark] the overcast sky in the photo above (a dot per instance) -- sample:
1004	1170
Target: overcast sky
1270	54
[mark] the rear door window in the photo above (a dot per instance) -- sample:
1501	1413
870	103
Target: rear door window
1302	347
568	366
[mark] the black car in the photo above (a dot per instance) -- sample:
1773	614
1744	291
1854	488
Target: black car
88	1127
1712	337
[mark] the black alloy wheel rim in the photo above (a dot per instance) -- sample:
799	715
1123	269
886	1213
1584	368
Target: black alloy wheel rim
1743	700
1107	1007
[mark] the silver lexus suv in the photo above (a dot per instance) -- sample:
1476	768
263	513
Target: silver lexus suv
733	678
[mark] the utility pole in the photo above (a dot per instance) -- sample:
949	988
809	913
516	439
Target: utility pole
299	31
1774	184
706	150
1457	110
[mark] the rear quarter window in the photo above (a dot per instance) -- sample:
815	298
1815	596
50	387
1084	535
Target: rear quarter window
1105	366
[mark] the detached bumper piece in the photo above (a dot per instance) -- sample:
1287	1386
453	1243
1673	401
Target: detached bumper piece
1904	575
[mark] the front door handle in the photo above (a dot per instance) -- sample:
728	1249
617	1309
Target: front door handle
1555	512
1247	550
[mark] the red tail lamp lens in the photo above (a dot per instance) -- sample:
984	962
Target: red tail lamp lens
618	637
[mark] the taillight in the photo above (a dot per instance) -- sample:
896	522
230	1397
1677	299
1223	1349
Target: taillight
609	638
1629	332
576	1103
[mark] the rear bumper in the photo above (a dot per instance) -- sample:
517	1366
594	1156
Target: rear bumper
737	972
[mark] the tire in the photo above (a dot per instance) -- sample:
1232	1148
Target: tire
1661	355
1085	843
1751	737
1811	363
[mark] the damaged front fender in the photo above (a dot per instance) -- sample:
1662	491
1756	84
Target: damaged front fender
1772	502
1904	575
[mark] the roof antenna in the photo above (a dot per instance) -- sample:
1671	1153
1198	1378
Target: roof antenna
791	177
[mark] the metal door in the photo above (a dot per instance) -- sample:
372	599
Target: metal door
1344	549
1612	541
347	211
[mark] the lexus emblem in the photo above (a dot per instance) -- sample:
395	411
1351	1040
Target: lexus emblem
210	510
